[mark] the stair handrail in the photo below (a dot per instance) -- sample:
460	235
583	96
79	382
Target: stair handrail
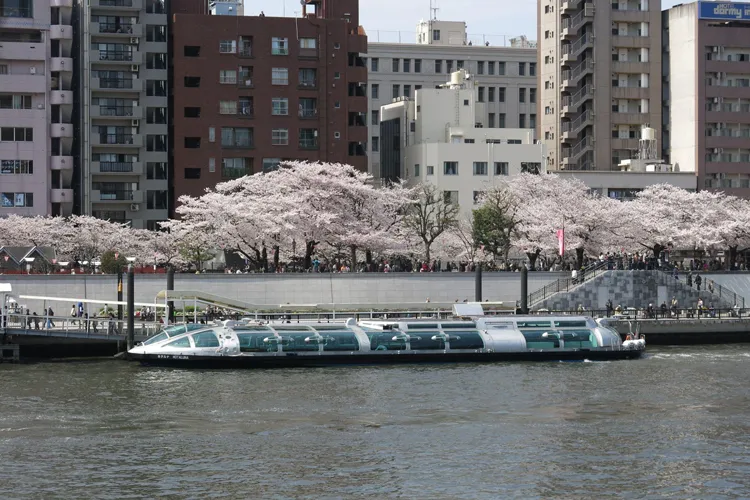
717	290
566	284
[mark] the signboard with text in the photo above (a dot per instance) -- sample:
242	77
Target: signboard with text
724	11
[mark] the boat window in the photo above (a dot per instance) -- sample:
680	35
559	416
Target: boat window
423	340
577	323
500	326
183	342
451	326
157	338
254	329
175	330
535	340
295	341
421	326
533	324
579	339
329	328
292	328
205	339
253	342
466	340
340	341
383	341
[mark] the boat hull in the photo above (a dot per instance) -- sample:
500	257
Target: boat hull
291	361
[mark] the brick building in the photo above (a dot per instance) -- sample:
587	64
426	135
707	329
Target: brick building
251	91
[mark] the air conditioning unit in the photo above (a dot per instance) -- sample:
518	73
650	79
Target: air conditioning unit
134	67
135	40
717	100
715	49
134	207
135	123
32	70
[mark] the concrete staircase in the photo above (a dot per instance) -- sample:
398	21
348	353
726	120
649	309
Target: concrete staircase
635	289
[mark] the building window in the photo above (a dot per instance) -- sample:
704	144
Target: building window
375	91
271	164
11	200
532	120
308	77
477	196
16	166
532	69
480	168
280	137
522	121
491	119
395	64
192	173
521	94
308	43
407	65
192	112
156	170
156	60
500	68
531	168
236	137
501	120
192	142
374	63
227	107
532	95
491	67
228	76
337	75
156	200
375	117
211	134
280	76
212	164
436	35
480	94
450	168
522	69
375	144
438	66
430	169
450	197
407	90
396	91
280	106
228	46
416	170
9	101
158	88
279	46
234	168
155	33
501	94
417	65
308	138
191	51
501	168
16	134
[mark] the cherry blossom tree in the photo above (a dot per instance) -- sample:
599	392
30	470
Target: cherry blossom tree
429	217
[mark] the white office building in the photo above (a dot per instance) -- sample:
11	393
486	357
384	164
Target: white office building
441	136
505	76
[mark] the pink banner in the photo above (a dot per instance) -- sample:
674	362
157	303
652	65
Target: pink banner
561	240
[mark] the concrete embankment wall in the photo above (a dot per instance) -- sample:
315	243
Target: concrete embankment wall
375	289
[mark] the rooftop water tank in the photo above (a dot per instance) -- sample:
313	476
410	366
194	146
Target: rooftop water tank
648	134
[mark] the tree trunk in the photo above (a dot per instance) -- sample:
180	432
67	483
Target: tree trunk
309	249
579	257
732	256
276	258
532	258
368	258
264	259
427	252
657	249
353	257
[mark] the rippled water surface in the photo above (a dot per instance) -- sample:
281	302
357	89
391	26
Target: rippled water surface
673	425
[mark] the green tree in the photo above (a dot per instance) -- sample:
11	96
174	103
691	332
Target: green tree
495	222
112	265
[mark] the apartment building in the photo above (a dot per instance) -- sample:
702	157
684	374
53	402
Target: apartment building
599	80
252	91
36	100
122	76
440	136
708	50
505	77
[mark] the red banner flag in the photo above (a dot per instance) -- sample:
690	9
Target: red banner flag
561	240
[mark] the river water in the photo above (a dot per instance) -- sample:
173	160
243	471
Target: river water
672	425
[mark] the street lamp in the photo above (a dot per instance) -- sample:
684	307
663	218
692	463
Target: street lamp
131	262
29	262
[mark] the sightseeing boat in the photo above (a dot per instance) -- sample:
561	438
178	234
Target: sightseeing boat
254	344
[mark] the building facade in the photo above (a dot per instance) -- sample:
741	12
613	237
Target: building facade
36	103
708	47
505	77
122	77
252	91
441	137
599	79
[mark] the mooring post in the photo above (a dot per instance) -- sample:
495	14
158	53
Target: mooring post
131	308
170	287
524	290
478	283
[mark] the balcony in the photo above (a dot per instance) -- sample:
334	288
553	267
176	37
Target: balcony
631	42
630	67
117	84
308	144
308	114
308	53
629	118
117	30
117	168
61	3
571	77
117	112
356	74
61	97
61	64
245	51
61	130
308	84
358	104
61	195
356	42
116	56
24	51
586	41
117	4
116	196
245	81
571	129
18	12
629	93
568	5
61	32
117	140
24	83
61	163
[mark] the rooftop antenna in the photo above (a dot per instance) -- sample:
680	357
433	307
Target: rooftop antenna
434	10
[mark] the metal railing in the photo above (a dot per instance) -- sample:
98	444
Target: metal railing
116	139
26	12
125	28
62	326
116	83
115	55
115	110
308	113
576	124
572	74
116	3
712	287
308	144
115	166
116	195
567	284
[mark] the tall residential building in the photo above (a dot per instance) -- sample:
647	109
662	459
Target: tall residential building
708	46
505	77
440	137
251	91
36	101
123	85
599	80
